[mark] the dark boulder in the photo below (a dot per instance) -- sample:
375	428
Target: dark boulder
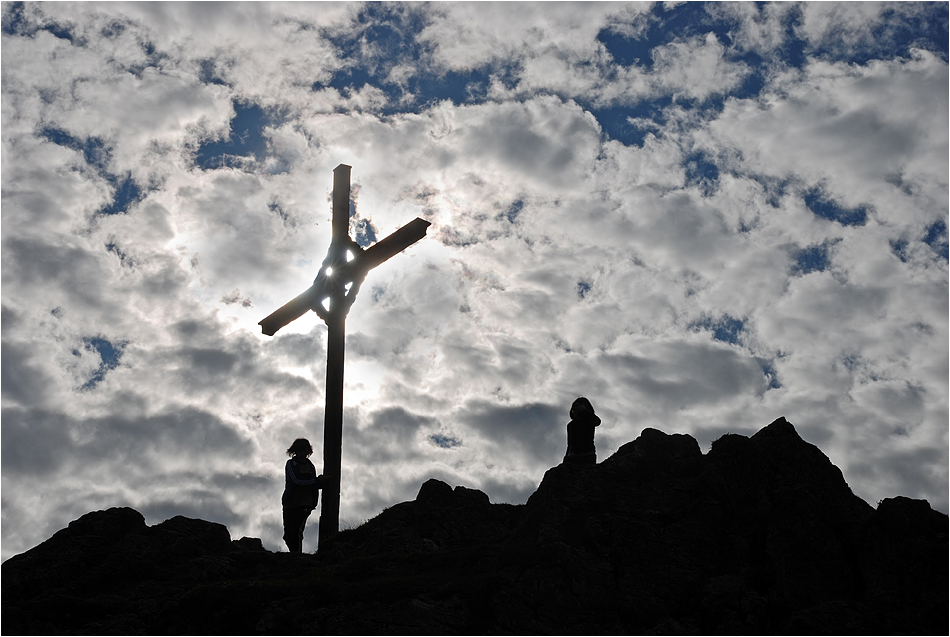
903	558
112	524
796	502
249	544
439	517
73	558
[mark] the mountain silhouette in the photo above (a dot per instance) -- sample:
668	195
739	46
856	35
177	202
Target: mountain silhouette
761	535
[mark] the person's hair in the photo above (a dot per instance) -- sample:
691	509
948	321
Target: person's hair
583	402
301	447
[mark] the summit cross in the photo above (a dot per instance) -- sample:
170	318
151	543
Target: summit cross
331	295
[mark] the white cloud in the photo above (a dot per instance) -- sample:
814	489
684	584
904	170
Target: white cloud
695	68
848	27
466	36
849	127
758	28
553	48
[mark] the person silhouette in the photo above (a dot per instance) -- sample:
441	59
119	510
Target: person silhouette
580	433
301	492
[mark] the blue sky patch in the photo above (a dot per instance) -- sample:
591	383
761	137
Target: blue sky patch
208	72
666	25
772	377
827	208
153	59
936	238
361	229
274	206
583	289
113	30
460	87
615	121
446	442
792	50
753	83
97	154
365	233
61	32
109	354
93	149
615	124
726	328
815	258
15	23
127	193
387	37
245	140
701	173
511	212
895	34
626	51
691	19
899	248
773	188
118	252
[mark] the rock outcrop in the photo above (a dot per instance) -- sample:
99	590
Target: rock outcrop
761	535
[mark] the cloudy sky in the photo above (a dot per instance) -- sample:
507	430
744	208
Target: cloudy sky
702	217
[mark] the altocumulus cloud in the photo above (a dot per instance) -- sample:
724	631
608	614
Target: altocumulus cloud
702	217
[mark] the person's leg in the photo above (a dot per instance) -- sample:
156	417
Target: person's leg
304	514
293	529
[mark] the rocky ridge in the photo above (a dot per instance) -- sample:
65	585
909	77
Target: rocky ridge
761	535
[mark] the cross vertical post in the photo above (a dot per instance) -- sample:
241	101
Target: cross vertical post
331	299
336	339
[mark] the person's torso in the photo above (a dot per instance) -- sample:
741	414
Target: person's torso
580	436
303	470
299	489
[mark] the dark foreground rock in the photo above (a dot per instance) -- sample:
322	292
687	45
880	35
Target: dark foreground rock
761	535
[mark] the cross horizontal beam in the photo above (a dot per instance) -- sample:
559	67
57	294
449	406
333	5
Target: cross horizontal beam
290	311
350	272
383	250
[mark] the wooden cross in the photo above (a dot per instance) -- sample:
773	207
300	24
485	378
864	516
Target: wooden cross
331	300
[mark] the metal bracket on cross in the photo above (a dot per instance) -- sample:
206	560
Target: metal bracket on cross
334	276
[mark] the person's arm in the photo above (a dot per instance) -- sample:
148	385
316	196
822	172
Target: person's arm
317	485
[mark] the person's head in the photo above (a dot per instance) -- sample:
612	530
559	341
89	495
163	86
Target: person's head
580	406
301	447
